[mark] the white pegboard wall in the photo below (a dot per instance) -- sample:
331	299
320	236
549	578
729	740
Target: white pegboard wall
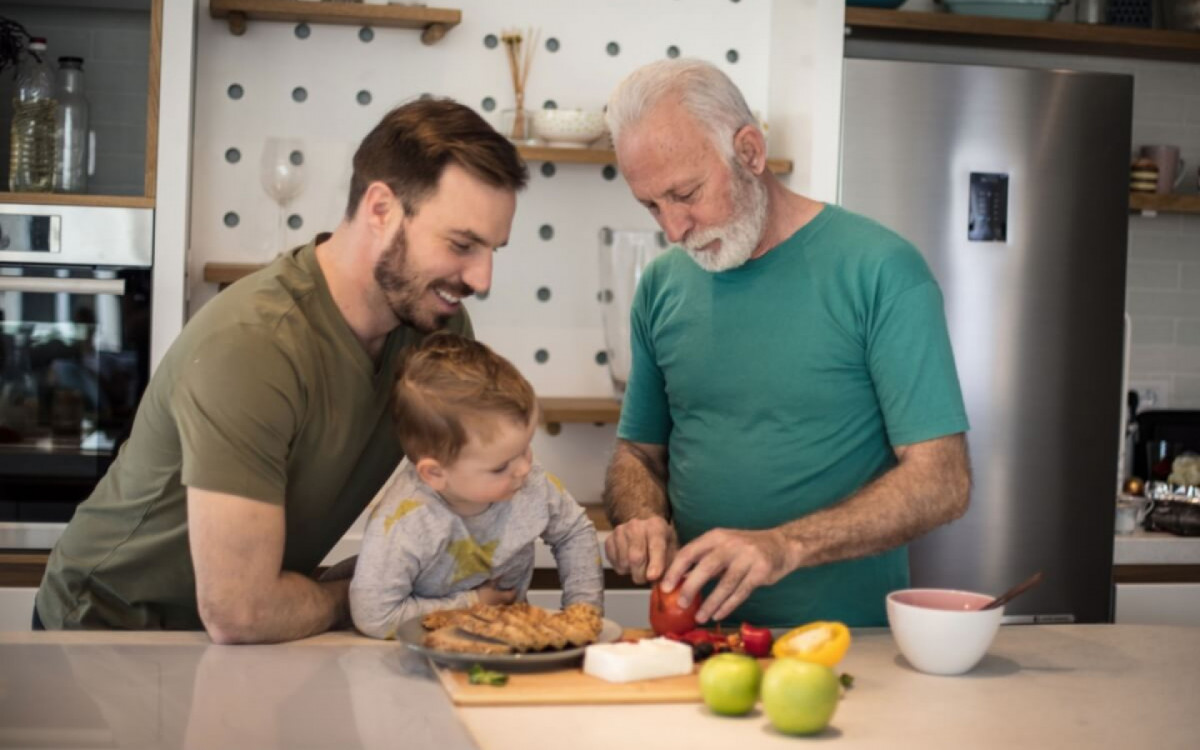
333	64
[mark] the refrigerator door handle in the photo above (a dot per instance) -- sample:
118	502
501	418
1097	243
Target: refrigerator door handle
1124	459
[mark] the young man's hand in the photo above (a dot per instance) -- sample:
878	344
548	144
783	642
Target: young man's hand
490	593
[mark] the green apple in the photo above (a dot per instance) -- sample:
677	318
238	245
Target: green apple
799	697
729	683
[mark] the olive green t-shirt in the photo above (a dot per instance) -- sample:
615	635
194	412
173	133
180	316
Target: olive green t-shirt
782	386
266	394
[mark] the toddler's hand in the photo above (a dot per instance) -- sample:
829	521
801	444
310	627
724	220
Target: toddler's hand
489	593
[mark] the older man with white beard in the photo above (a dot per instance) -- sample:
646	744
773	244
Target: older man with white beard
793	415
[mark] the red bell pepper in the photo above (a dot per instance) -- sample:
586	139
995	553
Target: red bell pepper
756	641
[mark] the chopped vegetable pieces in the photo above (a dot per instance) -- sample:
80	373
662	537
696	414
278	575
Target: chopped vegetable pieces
477	675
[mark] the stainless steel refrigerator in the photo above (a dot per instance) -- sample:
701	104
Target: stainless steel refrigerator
1014	185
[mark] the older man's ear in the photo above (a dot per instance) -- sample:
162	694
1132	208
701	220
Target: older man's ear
751	148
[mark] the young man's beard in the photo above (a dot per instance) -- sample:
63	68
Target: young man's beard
404	291
741	234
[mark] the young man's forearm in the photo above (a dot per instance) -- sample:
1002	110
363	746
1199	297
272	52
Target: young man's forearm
294	607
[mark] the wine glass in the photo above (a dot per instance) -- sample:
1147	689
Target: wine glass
282	173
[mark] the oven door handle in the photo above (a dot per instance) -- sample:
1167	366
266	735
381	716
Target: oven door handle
47	285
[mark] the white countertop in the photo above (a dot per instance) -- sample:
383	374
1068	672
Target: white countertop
1155	548
1041	686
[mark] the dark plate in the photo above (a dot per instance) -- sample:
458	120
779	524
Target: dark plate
411	633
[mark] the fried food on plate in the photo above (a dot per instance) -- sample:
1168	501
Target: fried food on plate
503	628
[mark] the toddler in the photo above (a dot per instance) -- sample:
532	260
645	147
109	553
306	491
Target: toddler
455	524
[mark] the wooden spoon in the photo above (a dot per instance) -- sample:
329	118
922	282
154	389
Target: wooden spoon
1015	591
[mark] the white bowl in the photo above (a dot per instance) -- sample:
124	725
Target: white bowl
574	128
942	631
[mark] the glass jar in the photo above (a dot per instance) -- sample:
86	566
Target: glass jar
623	255
70	128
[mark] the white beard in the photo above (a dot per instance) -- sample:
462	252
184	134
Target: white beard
741	235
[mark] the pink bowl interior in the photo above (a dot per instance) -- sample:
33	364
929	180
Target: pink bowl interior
946	599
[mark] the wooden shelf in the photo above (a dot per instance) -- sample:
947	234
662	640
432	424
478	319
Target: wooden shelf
604	156
577	410
1043	36
433	22
1179	203
227	273
73	199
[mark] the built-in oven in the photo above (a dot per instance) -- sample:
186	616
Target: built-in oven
74	349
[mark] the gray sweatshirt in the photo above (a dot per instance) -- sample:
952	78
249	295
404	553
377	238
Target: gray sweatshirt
419	556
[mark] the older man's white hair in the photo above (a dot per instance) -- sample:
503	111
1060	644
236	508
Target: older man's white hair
705	92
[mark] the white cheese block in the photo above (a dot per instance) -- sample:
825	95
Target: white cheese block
645	660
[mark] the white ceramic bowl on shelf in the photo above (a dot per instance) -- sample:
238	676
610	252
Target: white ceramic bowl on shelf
942	631
573	128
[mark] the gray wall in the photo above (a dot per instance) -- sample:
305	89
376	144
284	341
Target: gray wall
114	45
1163	286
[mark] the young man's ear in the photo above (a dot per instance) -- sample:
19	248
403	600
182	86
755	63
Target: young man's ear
379	204
432	473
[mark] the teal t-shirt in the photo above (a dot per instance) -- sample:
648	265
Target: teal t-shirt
780	387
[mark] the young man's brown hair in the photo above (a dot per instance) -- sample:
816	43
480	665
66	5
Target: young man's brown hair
450	384
410	147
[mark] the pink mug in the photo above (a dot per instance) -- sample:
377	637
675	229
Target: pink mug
1170	166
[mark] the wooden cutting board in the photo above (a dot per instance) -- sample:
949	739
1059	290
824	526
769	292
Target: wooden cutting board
567	686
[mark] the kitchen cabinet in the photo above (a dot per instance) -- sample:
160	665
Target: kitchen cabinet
433	22
16	608
129	108
1157	579
1041	36
20	575
1157	604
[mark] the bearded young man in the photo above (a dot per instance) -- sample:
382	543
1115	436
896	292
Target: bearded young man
793	415
265	431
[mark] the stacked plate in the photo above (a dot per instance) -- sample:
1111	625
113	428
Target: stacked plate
1143	176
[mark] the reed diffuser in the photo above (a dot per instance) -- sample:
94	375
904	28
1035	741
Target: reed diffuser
519	49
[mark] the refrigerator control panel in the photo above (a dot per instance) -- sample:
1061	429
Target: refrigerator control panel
988	221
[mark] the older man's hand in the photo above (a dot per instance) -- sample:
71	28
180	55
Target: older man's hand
744	560
642	548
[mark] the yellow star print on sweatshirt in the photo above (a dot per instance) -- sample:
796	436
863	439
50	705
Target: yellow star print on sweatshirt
403	508
471	557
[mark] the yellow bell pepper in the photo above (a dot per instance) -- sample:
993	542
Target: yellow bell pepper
820	642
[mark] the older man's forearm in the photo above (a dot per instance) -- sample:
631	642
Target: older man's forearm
636	483
928	488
